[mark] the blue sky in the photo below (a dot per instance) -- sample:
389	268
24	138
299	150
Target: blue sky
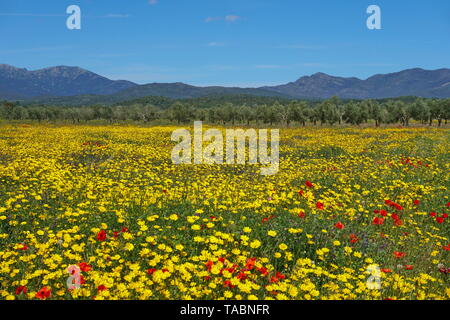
226	42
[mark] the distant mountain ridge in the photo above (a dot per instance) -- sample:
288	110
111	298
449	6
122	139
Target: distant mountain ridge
181	90
55	81
73	85
411	82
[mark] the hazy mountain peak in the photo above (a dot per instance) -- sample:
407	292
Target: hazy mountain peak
320	75
56	81
7	66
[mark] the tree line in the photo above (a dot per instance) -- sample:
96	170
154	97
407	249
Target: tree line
330	112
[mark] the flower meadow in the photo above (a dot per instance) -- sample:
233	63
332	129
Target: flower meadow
108	200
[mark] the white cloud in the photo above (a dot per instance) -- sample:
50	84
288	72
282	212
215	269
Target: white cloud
211	19
232	18
228	18
152	2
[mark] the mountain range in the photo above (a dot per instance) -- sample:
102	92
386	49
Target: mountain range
411	82
74	85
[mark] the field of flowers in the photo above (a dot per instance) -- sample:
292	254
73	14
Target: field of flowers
108	200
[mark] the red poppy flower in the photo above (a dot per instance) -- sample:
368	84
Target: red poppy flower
386	270
445	216
447	248
309	184
393	205
384	213
320	205
409	267
448	204
228	284
264	220
241	276
85	267
263	271
399	254
44	293
101	288
300	192
124	229
21	289
151	271
339	225
101	236
440	220
416	202
273	279
280	276
250	263
353	238
209	265
302	215
378	221
433	214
